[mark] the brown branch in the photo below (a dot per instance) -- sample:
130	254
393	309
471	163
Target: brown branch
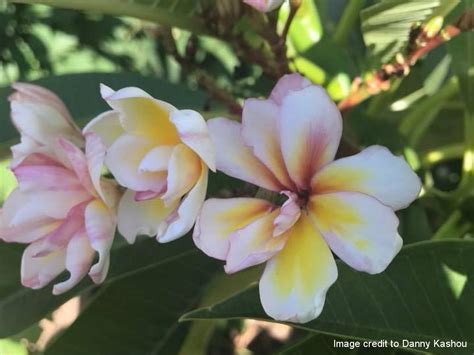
422	40
190	66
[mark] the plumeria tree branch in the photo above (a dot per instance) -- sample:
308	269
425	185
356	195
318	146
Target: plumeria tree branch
422	40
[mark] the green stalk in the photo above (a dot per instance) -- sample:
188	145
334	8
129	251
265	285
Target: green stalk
127	8
447	228
347	21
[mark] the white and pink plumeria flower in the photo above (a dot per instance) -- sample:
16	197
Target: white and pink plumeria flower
264	5
62	207
287	144
161	155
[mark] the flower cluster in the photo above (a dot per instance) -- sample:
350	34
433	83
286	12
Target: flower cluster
66	209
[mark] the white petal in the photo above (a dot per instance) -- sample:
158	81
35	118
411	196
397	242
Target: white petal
374	171
221	217
79	256
310	131
37	272
192	130
107	126
358	228
237	160
141	217
295	281
184	217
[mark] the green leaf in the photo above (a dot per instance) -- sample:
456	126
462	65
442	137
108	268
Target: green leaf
80	92
21	307
386	25
462	51
186	14
139	314
425	294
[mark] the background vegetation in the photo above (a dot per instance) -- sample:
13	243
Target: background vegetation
209	55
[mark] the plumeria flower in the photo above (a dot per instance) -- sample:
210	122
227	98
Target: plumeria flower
287	144
62	206
161	155
264	5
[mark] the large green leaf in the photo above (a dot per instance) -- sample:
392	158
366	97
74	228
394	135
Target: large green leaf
139	314
386	25
425	294
20	307
179	13
81	94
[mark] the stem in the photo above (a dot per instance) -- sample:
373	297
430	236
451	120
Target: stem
382	79
347	21
445	231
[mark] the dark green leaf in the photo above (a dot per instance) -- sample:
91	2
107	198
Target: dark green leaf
139	314
180	13
425	294
21	307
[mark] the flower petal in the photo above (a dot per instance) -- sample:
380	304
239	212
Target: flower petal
27	232
183	172
100	229
45	178
374	171
287	84
156	159
253	244
260	132
141	114
220	217
79	256
358	228
192	130
264	5
235	159
22	207
37	272
182	220
310	131
78	163
295	281
124	158
41	115
107	125
141	217
290	212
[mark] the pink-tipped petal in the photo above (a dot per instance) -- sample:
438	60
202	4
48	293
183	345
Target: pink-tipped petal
374	171
79	164
310	131
192	130
260	132
290	212
100	229
221	217
184	171
79	256
141	218
237	160
295	281
37	272
287	84
358	228
253	244
264	5
185	215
